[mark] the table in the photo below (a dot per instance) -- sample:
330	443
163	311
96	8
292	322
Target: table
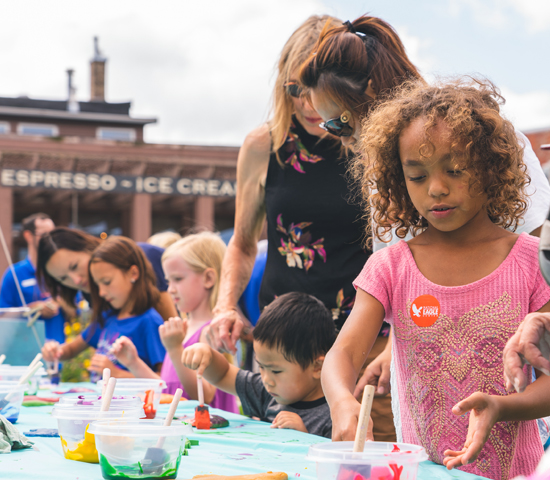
246	446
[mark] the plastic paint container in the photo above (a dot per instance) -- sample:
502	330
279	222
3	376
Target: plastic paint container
378	461
148	389
93	400
12	373
72	423
127	448
12	409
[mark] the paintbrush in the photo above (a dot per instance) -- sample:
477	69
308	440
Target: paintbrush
156	457
28	374
360	472
107	396
2	358
35	360
202	415
106	377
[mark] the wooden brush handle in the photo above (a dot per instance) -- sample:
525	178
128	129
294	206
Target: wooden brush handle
363	421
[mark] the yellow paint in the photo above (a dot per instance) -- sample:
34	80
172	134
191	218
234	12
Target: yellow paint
85	450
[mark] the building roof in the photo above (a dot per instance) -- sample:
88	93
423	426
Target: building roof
58	109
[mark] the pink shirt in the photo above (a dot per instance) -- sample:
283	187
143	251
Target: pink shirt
448	344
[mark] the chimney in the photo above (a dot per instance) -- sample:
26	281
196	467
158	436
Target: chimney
97	90
72	104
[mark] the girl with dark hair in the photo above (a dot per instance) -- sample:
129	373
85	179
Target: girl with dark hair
442	163
123	292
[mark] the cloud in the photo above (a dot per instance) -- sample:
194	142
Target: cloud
527	111
502	14
417	49
204	68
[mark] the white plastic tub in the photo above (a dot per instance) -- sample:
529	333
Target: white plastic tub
140	387
12	409
121	402
72	423
12	373
129	448
379	460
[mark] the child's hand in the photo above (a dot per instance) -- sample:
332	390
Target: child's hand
125	351
345	416
99	362
51	351
197	357
484	413
172	332
289	420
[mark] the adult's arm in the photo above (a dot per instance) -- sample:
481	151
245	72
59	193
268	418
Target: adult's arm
227	325
530	344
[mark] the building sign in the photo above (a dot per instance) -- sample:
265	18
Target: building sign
93	182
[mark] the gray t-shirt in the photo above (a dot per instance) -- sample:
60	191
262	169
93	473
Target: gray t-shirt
257	402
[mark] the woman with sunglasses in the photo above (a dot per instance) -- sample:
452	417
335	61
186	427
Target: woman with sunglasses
291	173
352	65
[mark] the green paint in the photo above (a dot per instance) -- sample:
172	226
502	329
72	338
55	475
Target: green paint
131	471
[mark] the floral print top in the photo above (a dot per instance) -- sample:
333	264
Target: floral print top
315	232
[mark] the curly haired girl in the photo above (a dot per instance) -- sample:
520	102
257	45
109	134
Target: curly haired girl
440	161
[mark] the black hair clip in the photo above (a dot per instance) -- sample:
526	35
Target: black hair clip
348	24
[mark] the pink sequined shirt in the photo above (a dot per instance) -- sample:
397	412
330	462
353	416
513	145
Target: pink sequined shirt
448	344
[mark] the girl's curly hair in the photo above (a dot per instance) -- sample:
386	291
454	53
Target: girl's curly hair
485	141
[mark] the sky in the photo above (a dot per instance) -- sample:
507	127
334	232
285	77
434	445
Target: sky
205	69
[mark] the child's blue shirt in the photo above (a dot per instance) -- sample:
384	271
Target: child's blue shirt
142	329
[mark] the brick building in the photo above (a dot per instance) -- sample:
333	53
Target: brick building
85	164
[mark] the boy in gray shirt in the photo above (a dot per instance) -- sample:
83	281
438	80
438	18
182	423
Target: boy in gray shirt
291	339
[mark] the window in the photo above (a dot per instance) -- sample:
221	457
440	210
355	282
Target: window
38	129
4	128
121	134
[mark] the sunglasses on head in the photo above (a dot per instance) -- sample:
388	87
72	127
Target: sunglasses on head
339	126
293	89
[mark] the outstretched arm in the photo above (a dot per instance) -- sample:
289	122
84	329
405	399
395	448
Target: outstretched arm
238	262
486	410
212	365
344	361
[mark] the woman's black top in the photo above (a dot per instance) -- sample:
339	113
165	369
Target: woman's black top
315	232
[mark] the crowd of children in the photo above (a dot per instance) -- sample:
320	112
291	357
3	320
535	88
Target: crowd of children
438	164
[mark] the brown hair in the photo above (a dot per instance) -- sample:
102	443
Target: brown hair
295	52
51	242
123	253
484	143
343	62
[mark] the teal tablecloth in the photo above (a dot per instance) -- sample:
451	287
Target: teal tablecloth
245	447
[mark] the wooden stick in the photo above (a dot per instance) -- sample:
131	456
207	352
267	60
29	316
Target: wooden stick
106	377
363	420
200	390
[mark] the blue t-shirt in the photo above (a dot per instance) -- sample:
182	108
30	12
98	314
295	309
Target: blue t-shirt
250	299
9	296
154	255
142	329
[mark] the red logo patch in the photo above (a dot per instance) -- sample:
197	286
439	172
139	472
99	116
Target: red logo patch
425	310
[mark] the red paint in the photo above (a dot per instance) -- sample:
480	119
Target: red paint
396	471
148	406
395	448
202	417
